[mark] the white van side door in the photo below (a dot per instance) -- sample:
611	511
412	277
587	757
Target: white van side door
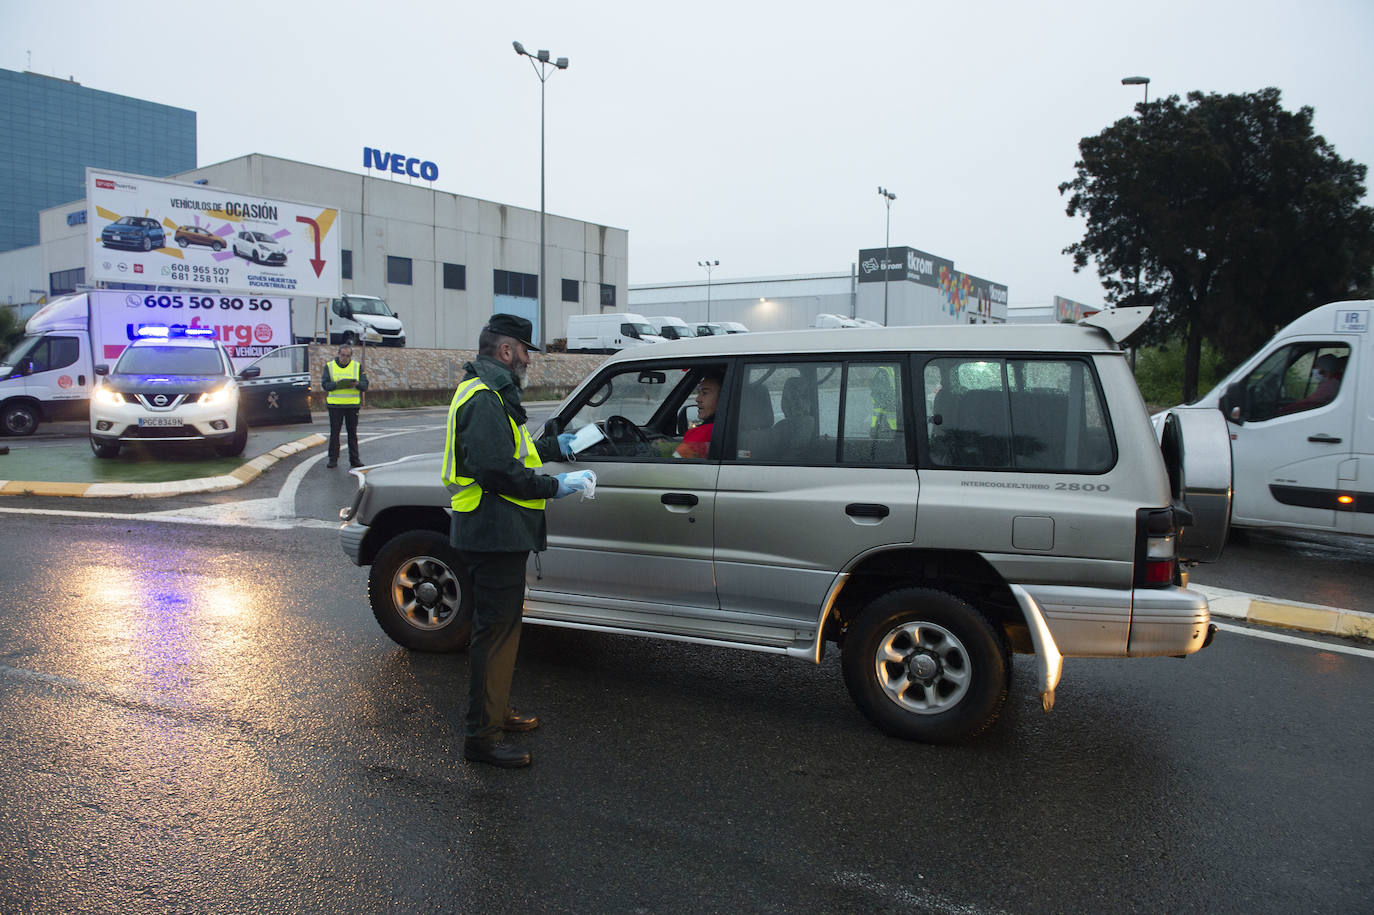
58	374
1292	450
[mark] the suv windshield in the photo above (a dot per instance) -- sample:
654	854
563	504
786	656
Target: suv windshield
169	360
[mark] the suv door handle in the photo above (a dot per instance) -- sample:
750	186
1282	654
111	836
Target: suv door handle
1324	439
678	498
866	510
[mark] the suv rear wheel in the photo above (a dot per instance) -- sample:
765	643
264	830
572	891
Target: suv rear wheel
415	594
923	664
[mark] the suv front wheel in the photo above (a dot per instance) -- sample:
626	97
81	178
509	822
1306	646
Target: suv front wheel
925	665
416	596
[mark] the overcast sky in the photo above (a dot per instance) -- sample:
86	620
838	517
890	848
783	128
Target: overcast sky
752	133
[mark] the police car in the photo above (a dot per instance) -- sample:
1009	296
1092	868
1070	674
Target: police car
171	384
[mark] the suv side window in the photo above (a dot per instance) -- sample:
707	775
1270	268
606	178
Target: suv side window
659	400
1015	414
820	413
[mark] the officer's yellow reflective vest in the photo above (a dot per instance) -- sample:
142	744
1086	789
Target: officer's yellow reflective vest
883	389
465	494
344	397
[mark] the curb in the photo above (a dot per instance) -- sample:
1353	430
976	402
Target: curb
247	473
1267	611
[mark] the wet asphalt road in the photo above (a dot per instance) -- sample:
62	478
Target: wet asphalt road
206	718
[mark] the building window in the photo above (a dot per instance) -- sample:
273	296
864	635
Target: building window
520	285
570	290
398	271
455	276
65	281
346	264
607	296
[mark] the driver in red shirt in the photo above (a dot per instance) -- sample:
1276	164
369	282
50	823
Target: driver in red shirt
697	441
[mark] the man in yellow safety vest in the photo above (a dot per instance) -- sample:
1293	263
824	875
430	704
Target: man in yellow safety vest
491	469
343	382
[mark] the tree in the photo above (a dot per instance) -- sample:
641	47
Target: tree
1237	216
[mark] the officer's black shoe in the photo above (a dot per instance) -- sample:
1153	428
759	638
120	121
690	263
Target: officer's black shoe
495	753
355	463
518	722
332	464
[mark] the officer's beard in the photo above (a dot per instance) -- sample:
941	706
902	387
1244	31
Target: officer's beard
518	372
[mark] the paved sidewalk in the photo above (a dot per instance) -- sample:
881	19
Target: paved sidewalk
1270	611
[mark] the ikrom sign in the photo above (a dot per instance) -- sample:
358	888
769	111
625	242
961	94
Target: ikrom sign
399	164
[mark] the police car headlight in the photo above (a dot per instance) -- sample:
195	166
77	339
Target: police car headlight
218	396
107	397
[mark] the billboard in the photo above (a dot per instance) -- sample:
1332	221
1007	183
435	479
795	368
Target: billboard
902	263
162	233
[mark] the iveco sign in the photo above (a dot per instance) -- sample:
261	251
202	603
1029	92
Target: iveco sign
399	164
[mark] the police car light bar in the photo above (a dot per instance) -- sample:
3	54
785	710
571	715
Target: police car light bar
176	330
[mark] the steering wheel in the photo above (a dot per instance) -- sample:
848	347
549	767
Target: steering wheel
623	432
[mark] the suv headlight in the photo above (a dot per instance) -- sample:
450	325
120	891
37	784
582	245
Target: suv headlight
220	395
109	398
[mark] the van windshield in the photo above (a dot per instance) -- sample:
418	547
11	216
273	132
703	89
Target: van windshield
368	305
21	351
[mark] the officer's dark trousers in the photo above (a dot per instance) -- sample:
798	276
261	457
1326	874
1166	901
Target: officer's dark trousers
494	586
344	416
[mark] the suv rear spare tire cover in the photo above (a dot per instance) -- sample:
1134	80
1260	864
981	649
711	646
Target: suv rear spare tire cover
1197	452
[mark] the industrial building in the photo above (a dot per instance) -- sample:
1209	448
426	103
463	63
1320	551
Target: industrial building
889	286
443	261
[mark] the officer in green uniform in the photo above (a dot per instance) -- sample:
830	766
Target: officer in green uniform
491	468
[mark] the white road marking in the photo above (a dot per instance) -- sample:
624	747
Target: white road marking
1295	640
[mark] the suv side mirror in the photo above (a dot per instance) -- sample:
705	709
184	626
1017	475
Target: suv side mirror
253	371
1232	403
552	426
102	369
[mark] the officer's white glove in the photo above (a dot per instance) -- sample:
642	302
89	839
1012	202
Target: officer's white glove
583	481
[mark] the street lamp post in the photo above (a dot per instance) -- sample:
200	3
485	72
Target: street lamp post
709	265
888	197
541	71
1137	81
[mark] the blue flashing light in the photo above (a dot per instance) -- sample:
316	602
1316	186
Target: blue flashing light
176	330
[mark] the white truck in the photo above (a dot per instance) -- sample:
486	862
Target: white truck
350	319
50	373
609	333
1301	416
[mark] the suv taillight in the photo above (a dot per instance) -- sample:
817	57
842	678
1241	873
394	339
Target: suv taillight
1156	548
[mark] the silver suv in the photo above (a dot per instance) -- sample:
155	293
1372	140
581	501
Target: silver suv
930	499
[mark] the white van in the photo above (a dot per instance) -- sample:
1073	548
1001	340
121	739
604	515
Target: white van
734	327
609	333
829	320
671	328
1302	441
349	319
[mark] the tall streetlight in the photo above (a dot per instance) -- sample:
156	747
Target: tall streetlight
1137	81
709	265
888	197
541	71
